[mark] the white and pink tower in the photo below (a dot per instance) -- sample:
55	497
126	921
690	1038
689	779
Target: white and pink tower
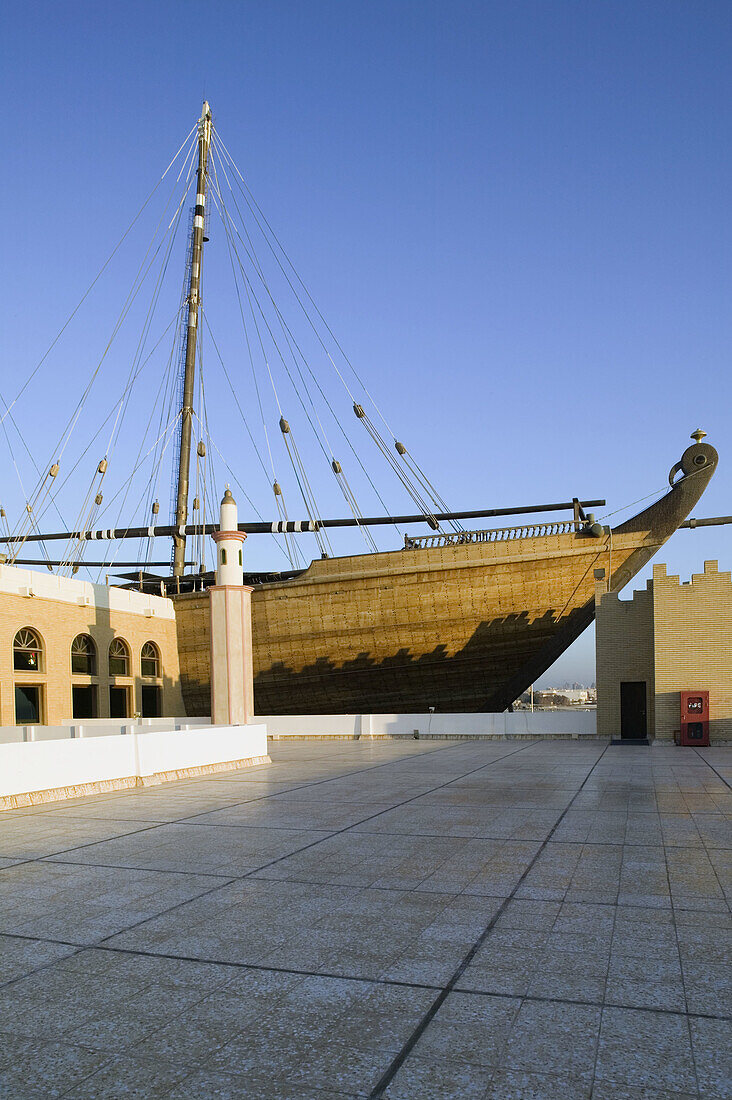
232	672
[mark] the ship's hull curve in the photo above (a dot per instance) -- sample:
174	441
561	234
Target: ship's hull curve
458	627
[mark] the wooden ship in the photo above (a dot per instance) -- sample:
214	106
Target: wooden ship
457	619
459	622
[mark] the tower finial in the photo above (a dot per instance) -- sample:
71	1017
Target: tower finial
698	435
229	541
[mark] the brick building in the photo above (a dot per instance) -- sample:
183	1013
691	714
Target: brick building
672	637
70	649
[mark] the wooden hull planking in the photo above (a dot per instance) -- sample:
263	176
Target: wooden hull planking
460	627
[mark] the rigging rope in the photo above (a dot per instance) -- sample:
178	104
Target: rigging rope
298	470
293	347
126	485
416	496
172	231
293	453
30	454
292	549
136	286
243	418
288	554
413	468
246	270
99	273
135	367
633	503
321	537
258	214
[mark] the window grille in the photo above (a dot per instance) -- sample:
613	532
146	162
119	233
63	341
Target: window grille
27	651
150	659
83	656
119	658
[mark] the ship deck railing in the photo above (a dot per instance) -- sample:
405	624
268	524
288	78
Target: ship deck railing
494	534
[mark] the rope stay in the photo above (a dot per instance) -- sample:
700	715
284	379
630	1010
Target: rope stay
378	439
272	346
145	266
306	490
293	347
291	447
99	274
414	480
88	510
109	415
291	549
290	340
288	552
262	221
127	484
235	395
137	284
87	513
28	451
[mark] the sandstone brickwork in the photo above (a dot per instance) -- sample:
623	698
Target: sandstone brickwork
58	610
624	651
675	636
193	627
445	624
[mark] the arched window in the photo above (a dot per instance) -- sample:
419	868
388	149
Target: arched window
27	651
83	656
119	658
150	659
223	556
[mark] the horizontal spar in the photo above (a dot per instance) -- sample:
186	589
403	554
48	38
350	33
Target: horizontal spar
374	521
710	521
98	564
293	526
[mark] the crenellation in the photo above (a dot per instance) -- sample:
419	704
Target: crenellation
676	635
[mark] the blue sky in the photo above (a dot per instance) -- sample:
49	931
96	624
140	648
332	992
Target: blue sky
515	217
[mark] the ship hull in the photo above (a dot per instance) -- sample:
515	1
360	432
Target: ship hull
458	626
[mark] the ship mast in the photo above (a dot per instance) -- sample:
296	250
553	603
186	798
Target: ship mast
197	239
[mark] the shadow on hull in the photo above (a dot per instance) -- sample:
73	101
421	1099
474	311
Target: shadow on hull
468	680
330	640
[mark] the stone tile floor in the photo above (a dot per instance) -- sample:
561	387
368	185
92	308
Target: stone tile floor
392	919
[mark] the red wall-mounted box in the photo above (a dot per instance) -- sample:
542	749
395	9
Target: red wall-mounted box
694	718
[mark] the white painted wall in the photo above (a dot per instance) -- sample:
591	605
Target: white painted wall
315	725
50	586
560	723
163	752
95	727
45	765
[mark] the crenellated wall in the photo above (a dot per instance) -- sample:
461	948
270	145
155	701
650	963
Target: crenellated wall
693	633
624	651
675	636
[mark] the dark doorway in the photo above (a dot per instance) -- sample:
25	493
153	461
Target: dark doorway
150	701
633	720
118	698
27	704
84	700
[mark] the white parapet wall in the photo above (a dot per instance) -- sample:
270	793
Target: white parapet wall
519	724
96	727
51	586
48	770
